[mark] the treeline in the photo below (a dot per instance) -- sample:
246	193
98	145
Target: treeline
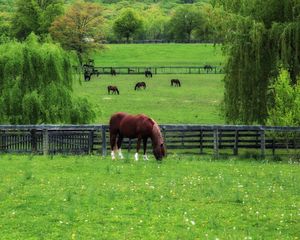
121	20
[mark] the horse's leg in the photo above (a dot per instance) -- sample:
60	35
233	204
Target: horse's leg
138	146
145	148
113	138
119	143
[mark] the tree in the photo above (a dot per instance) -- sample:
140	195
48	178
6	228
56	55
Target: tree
34	16
128	24
285	110
155	23
36	85
184	21
259	35
79	29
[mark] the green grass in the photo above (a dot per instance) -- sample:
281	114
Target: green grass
89	197
197	101
117	55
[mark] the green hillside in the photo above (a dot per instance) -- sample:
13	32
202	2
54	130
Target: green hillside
160	55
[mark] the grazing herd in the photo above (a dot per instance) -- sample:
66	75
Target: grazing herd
139	85
89	70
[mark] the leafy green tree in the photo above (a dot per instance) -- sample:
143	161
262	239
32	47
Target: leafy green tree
259	35
155	22
285	110
184	21
128	24
36	85
34	16
80	28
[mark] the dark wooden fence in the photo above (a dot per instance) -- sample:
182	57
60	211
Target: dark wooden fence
158	70
88	139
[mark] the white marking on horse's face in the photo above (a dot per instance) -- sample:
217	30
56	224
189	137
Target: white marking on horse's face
145	157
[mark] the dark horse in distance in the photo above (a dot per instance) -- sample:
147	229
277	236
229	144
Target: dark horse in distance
175	82
113	89
135	126
140	85
208	68
148	73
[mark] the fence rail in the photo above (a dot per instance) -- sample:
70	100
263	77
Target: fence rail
158	70
88	139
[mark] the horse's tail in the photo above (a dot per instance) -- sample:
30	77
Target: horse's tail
179	83
108	88
117	91
135	87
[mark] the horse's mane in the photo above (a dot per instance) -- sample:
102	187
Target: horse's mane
156	133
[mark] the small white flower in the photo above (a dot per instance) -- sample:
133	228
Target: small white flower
193	222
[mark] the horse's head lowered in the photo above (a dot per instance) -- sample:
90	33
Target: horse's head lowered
159	149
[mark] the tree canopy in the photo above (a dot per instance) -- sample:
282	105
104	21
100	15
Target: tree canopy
260	35
80	28
127	24
36	85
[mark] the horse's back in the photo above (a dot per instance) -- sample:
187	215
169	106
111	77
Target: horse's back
115	120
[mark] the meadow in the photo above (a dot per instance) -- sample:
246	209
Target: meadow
185	197
196	101
119	55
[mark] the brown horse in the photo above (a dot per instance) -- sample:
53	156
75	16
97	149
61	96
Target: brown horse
140	85
135	126
175	82
113	89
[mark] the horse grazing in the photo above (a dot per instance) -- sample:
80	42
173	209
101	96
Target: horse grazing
175	82
148	73
208	68
113	72
135	126
113	89
140	85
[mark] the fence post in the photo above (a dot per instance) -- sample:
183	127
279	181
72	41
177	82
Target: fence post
45	142
33	140
216	142
91	141
104	152
236	143
262	142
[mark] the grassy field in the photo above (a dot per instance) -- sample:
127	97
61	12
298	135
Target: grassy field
89	197
197	101
118	55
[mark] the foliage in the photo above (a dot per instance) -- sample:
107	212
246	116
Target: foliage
184	21
259	35
36	85
128	24
80	28
185	197
34	16
285	111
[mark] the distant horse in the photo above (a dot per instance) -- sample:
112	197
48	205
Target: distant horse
113	90
208	68
175	82
113	72
87	75
148	73
140	85
135	126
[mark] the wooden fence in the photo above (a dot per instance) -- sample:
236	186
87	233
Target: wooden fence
159	70
88	139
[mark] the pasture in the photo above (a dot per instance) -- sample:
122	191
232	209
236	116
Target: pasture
196	101
185	197
119	55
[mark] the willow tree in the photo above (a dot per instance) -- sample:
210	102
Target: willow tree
260	35
36	85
